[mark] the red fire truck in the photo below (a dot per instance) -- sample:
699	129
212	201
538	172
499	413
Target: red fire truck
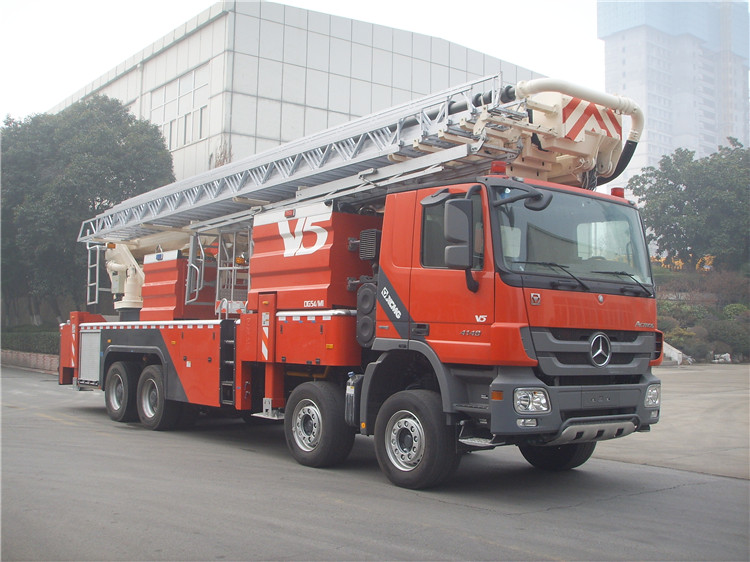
443	275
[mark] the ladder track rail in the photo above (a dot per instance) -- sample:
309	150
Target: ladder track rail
454	132
282	173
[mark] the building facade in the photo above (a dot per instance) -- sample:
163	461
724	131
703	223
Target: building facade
243	77
686	63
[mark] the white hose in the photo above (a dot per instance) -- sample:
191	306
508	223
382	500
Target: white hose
624	105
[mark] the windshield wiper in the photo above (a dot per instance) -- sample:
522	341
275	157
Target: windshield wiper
553	265
626	274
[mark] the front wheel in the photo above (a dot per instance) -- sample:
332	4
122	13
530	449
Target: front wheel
316	433
414	447
154	410
561	457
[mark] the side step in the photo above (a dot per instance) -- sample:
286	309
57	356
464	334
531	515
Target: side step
227	392
269	413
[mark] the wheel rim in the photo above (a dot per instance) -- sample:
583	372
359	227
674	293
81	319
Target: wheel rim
307	425
117	392
150	398
404	440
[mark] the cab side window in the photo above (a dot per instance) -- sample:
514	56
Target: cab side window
433	237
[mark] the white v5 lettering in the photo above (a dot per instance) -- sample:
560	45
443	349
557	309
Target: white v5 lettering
293	245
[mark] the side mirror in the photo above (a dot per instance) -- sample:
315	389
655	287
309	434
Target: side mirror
459	233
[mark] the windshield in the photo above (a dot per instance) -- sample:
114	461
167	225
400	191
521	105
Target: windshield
577	236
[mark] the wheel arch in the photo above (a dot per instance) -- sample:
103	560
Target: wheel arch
148	355
144	356
383	378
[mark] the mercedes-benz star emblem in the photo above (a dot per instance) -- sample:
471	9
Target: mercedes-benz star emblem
600	351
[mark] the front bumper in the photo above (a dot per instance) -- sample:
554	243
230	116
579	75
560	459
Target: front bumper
576	414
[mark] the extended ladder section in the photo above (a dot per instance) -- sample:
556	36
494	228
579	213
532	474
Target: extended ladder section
545	129
455	133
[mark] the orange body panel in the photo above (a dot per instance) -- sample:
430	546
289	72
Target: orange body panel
164	293
567	309
246	337
69	341
317	340
194	351
395	262
307	261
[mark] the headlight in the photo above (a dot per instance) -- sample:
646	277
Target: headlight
531	400
653	396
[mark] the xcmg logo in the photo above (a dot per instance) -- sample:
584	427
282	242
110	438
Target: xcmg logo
293	237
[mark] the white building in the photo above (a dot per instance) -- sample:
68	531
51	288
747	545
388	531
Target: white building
242	77
686	62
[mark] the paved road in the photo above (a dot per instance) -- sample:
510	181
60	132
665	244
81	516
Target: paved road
76	486
704	426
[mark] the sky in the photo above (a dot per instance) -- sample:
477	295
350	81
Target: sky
50	49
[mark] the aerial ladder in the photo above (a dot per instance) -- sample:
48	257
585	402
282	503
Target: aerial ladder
546	129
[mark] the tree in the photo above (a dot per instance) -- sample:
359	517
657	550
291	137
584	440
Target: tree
695	208
59	170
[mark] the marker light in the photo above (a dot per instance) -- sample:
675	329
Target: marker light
653	396
618	192
498	167
531	400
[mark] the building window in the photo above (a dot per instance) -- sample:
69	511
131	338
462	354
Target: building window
179	108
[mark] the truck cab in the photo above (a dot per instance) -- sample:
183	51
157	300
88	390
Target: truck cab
527	305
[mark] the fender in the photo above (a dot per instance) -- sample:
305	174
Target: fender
172	383
452	391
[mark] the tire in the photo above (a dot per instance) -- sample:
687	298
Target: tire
120	391
414	447
154	410
314	425
562	457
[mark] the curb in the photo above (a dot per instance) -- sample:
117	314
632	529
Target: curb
37	361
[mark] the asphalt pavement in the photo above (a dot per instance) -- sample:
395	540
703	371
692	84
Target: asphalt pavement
78	486
704	425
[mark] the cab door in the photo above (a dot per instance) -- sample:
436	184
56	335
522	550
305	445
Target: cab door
450	310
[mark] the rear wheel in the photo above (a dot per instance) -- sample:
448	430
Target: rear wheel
154	410
120	391
414	446
314	425
561	457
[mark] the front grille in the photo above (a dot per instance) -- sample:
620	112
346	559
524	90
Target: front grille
575	334
564	355
583	358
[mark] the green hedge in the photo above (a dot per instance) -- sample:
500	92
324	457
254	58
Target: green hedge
34	342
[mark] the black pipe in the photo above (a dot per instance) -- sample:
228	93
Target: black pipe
622	163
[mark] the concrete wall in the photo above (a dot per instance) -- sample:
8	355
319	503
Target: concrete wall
35	361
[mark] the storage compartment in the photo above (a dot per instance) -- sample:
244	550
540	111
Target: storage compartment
324	338
164	290
306	258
